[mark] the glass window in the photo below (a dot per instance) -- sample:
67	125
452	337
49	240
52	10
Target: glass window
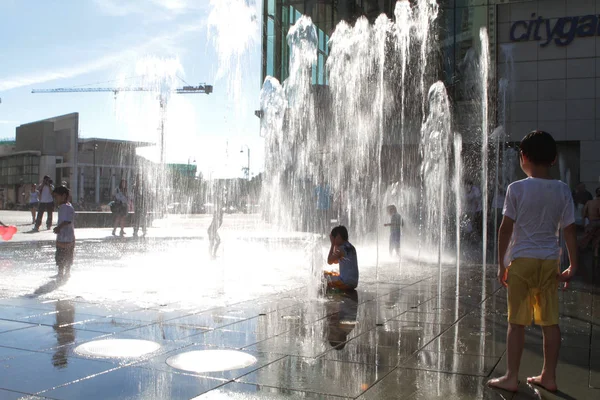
270	47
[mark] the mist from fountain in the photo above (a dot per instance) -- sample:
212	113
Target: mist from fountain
342	148
233	45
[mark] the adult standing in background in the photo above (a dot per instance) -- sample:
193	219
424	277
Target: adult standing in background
580	197
121	207
34	201
591	211
140	206
474	207
498	204
45	190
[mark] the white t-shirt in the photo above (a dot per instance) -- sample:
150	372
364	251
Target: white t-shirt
33	197
120	196
46	194
66	212
540	208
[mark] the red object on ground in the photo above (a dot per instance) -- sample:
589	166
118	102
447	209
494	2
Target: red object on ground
7	232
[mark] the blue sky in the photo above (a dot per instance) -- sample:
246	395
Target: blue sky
69	43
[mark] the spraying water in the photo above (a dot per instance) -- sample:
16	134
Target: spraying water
434	146
403	15
356	137
233	45
484	71
458	179
382	27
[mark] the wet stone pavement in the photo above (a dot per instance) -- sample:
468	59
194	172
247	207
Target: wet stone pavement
407	338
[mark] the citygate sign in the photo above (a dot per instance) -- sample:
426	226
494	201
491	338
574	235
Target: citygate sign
562	30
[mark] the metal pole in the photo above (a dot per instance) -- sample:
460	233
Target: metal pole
248	163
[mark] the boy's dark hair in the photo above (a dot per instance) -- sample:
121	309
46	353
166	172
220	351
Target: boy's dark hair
598	191
340	230
539	147
60	190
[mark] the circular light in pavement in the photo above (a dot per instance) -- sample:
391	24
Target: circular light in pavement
211	360
117	348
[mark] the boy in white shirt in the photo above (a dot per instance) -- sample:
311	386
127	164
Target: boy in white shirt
65	232
535	210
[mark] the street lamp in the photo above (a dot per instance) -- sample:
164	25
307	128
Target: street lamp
248	168
96	178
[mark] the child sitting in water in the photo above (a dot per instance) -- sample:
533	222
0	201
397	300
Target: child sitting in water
343	253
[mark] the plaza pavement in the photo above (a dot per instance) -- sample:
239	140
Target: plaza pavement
403	335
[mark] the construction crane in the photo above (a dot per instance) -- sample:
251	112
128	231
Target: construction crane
208	89
200	89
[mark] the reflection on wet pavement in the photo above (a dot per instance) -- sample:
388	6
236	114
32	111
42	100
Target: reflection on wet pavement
416	338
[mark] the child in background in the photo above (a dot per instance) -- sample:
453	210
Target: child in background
213	235
34	201
343	253
395	225
65	232
535	210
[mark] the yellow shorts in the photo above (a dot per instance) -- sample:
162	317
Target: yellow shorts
533	292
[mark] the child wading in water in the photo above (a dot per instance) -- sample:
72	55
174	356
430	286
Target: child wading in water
535	210
395	225
343	253
65	232
213	235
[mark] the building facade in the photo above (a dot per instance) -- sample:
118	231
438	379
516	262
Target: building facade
551	51
544	67
91	168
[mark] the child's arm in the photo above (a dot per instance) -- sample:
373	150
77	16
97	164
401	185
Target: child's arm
332	258
504	235
570	233
335	254
61	225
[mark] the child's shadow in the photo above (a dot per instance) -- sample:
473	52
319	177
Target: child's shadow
528	391
48	287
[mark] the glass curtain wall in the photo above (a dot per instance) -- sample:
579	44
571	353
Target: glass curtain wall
21	168
280	15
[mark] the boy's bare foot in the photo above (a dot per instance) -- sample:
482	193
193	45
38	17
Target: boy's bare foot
504	383
547	384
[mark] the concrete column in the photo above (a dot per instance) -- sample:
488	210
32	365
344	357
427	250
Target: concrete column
97	186
112	182
128	178
73	183
81	183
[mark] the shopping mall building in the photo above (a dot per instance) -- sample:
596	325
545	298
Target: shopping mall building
548	51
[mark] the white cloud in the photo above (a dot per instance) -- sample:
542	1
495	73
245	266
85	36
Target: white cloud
8	122
67	72
103	62
121	8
